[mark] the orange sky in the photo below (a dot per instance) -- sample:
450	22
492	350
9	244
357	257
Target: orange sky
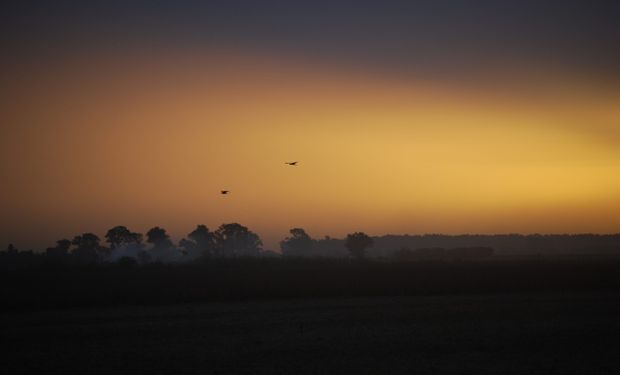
143	140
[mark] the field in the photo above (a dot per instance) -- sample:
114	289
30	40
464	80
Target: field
50	287
315	317
531	333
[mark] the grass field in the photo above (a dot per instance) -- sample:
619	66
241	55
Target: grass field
518	333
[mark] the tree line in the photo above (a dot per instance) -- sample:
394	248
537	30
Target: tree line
233	240
124	246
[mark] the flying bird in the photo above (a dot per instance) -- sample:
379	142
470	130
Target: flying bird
293	163
224	192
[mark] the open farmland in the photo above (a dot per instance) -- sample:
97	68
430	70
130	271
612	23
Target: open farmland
521	333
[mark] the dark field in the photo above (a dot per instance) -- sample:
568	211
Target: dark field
48	287
315	317
549	333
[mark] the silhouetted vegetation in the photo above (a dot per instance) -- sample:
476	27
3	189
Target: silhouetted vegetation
357	243
163	249
199	243
299	244
234	240
504	244
228	241
229	265
87	249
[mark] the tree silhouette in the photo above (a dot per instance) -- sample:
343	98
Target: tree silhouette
236	240
124	243
357	243
158	237
299	244
200	242
87	248
163	247
120	236
60	251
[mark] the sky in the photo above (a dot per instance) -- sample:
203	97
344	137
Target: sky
405	117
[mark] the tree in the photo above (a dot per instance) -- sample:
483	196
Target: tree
299	244
357	243
200	242
124	243
61	250
120	236
158	237
63	245
236	240
87	248
163	248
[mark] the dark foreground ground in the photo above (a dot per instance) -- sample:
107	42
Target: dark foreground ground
556	332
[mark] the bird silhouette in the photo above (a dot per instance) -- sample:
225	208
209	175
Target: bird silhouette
293	163
224	192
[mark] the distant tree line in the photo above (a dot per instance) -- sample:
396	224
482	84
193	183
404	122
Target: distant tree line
131	248
445	246
300	244
357	244
125	247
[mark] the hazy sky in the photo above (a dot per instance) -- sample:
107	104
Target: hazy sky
406	117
